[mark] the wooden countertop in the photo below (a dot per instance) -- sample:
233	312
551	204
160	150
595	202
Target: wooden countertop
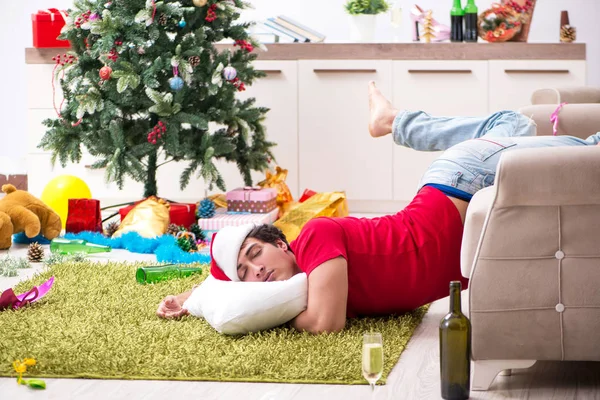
391	51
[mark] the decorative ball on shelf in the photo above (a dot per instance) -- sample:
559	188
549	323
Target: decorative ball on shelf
200	3
181	23
35	252
206	209
176	83
105	72
229	73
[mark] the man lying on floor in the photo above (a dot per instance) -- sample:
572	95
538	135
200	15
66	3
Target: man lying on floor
392	264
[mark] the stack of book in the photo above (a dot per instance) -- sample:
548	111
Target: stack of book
288	30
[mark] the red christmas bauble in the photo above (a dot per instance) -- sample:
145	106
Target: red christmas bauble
105	72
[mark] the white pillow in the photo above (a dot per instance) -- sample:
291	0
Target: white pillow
234	308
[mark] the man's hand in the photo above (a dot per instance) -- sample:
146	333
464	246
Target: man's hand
171	308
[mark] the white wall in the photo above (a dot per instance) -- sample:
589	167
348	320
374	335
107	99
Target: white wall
327	17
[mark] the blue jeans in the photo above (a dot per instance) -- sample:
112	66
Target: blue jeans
472	145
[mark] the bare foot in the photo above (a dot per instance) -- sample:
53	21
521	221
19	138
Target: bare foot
171	308
382	112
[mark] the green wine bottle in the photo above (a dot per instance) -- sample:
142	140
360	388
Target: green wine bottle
471	33
455	349
72	246
457	15
164	272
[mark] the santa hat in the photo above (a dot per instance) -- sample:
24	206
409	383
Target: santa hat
224	250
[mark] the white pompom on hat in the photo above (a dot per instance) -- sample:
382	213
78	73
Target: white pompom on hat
225	249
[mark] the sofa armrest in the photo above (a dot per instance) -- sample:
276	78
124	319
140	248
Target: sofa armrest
581	120
551	176
571	95
477	211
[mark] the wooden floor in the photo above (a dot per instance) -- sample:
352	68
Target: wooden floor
416	376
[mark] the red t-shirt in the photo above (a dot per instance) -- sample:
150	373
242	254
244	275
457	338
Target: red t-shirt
397	262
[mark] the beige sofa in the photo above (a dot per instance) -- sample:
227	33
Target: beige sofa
531	248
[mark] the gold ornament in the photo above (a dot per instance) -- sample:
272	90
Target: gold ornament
568	34
428	32
200	3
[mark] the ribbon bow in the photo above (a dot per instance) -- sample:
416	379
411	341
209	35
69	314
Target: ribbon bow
248	191
554	118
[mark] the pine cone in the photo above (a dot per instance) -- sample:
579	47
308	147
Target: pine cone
568	34
184	244
35	252
207	209
111	228
174	229
162	20
194	61
198	232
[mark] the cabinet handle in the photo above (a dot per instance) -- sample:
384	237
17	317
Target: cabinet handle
270	71
536	71
440	71
349	70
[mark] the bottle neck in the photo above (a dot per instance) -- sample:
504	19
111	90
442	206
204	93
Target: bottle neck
471	8
457	9
455	305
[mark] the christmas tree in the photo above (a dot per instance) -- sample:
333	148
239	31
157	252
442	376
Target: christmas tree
143	82
428	31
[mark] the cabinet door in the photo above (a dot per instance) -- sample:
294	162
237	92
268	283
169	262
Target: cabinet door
278	91
512	82
39	87
336	151
440	88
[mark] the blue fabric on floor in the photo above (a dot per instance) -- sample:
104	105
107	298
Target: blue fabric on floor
164	247
21	238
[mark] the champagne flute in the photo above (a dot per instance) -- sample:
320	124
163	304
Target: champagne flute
372	358
396	19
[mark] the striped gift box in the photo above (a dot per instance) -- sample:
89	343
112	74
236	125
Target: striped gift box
222	219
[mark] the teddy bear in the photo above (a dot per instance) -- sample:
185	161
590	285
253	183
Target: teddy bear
22	212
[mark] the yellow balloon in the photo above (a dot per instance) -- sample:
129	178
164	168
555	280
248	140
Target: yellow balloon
59	190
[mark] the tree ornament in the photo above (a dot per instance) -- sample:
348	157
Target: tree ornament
184	244
211	14
105	72
157	132
174	229
199	3
428	31
150	43
207	209
113	55
141	50
35	252
181	23
198	232
111	228
244	45
107	5
194	61
162	20
186	241
176	82
229	73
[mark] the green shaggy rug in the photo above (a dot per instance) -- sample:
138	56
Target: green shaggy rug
98	322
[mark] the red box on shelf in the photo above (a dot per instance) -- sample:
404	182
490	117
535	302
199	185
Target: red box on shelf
179	213
46	26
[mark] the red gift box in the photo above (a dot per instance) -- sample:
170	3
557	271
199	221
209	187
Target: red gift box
46	28
83	215
182	214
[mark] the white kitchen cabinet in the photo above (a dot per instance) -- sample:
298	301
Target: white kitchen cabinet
440	88
336	151
512	82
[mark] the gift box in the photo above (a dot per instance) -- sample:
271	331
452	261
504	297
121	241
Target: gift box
252	200
224	218
182	214
46	26
83	215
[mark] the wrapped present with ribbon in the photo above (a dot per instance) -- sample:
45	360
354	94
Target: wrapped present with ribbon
330	204
83	215
47	25
180	214
149	219
223	218
253	199
277	181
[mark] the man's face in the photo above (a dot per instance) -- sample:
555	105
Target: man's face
264	262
